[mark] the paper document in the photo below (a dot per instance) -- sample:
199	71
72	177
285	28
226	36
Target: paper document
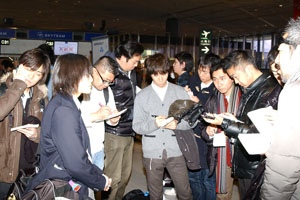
25	126
263	119
113	115
255	143
219	140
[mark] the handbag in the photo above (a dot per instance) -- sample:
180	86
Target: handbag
50	190
20	184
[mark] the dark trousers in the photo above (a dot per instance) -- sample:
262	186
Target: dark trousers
244	185
4	188
178	171
202	185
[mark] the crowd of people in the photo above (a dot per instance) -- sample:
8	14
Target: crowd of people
60	120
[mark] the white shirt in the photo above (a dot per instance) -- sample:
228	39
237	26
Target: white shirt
161	92
203	85
96	131
77	102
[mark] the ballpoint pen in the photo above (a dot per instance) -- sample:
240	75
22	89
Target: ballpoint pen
230	118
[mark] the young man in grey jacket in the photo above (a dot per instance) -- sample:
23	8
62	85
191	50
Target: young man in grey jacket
160	147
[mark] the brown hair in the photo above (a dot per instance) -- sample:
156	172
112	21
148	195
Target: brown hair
34	59
157	64
68	71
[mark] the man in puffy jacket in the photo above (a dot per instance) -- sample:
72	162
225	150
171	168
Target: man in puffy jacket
259	90
118	144
282	175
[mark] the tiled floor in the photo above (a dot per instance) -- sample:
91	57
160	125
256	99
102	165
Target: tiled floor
138	176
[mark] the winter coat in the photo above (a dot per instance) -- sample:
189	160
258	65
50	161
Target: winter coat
124	90
64	146
263	92
11	115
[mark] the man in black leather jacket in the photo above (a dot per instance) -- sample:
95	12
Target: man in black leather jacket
259	90
118	143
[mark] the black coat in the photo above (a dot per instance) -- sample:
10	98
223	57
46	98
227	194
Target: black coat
124	90
189	148
263	92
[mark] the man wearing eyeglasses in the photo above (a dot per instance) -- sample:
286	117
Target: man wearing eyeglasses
98	105
282	174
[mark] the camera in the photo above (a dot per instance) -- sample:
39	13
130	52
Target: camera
194	113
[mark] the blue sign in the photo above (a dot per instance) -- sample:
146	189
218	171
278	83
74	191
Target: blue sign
50	35
89	36
7	33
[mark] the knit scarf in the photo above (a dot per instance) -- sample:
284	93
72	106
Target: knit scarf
224	156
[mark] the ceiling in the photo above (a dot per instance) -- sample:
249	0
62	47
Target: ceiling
223	17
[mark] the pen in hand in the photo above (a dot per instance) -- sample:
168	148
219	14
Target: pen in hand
230	118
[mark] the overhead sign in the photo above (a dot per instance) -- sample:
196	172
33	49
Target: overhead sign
7	33
5	41
50	35
205	42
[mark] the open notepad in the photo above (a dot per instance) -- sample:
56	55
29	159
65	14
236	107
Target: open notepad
166	121
24	126
113	115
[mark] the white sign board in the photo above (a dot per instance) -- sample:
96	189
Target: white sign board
61	48
99	47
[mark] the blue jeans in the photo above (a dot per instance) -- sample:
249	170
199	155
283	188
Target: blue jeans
98	159
203	187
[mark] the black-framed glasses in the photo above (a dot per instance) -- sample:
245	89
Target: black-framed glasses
104	81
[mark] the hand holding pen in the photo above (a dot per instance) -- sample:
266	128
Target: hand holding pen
159	120
115	120
164	122
102	113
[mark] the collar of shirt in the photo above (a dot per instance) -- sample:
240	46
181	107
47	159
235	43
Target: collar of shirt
77	102
203	85
161	92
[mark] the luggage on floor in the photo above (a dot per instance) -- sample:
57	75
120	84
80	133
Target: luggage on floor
136	194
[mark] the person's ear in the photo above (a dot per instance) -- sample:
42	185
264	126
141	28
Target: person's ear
183	65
